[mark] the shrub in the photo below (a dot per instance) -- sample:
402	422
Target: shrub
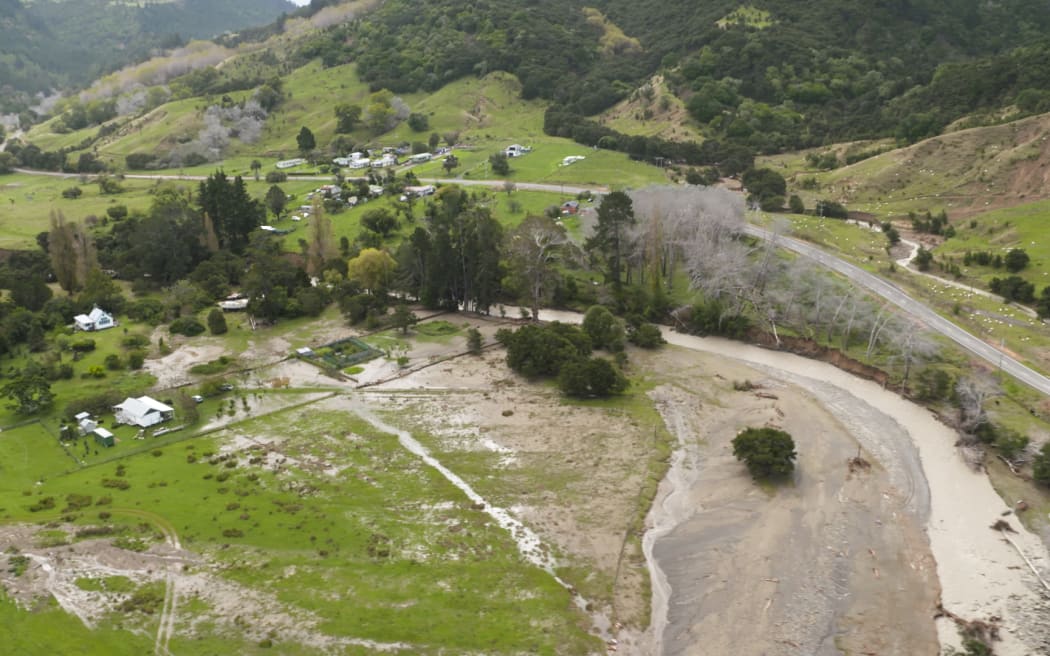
83	346
767	452
1041	466
474	340
830	209
146	310
136	359
274	177
187	326
113	362
134	340
47	503
217	322
542	350
72	193
96	404
590	377
605	330
647	336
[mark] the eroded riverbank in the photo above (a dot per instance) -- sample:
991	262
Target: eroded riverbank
980	575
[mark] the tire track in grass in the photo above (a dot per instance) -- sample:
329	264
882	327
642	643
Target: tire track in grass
166	624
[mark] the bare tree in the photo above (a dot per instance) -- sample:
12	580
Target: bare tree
878	327
533	247
913	345
972	392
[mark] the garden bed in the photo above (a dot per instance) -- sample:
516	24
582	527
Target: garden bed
340	354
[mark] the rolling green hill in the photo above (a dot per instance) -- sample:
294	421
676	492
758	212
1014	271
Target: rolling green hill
50	44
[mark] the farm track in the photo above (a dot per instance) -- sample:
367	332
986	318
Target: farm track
166	623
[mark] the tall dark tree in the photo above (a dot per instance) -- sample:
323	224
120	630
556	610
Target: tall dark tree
166	244
276	200
615	218
305	140
272	280
233	212
461	263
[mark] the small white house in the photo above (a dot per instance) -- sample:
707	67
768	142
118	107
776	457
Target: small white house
234	305
386	160
362	163
97	319
290	163
515	150
420	158
142	412
424	190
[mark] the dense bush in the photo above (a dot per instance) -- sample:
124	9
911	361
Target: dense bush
1013	288
84	345
590	377
604	329
187	326
147	310
217	322
96	404
767	452
646	335
1041	465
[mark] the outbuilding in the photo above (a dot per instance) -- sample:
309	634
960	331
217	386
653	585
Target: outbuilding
103	437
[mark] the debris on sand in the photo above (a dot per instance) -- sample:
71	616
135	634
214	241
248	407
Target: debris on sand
858	464
1002	525
983	631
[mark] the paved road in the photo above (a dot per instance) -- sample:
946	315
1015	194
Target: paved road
895	295
574	190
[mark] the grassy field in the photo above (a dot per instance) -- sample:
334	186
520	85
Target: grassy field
998	231
375	533
28	201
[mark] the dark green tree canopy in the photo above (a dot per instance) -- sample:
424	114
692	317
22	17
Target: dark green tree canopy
615	218
235	214
767	452
305	140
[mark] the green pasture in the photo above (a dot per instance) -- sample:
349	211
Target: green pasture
366	520
48	629
544	164
26	202
998	231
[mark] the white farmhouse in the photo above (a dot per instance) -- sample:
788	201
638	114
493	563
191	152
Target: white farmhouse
97	319
142	412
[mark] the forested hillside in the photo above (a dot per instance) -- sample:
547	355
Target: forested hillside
774	75
49	44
